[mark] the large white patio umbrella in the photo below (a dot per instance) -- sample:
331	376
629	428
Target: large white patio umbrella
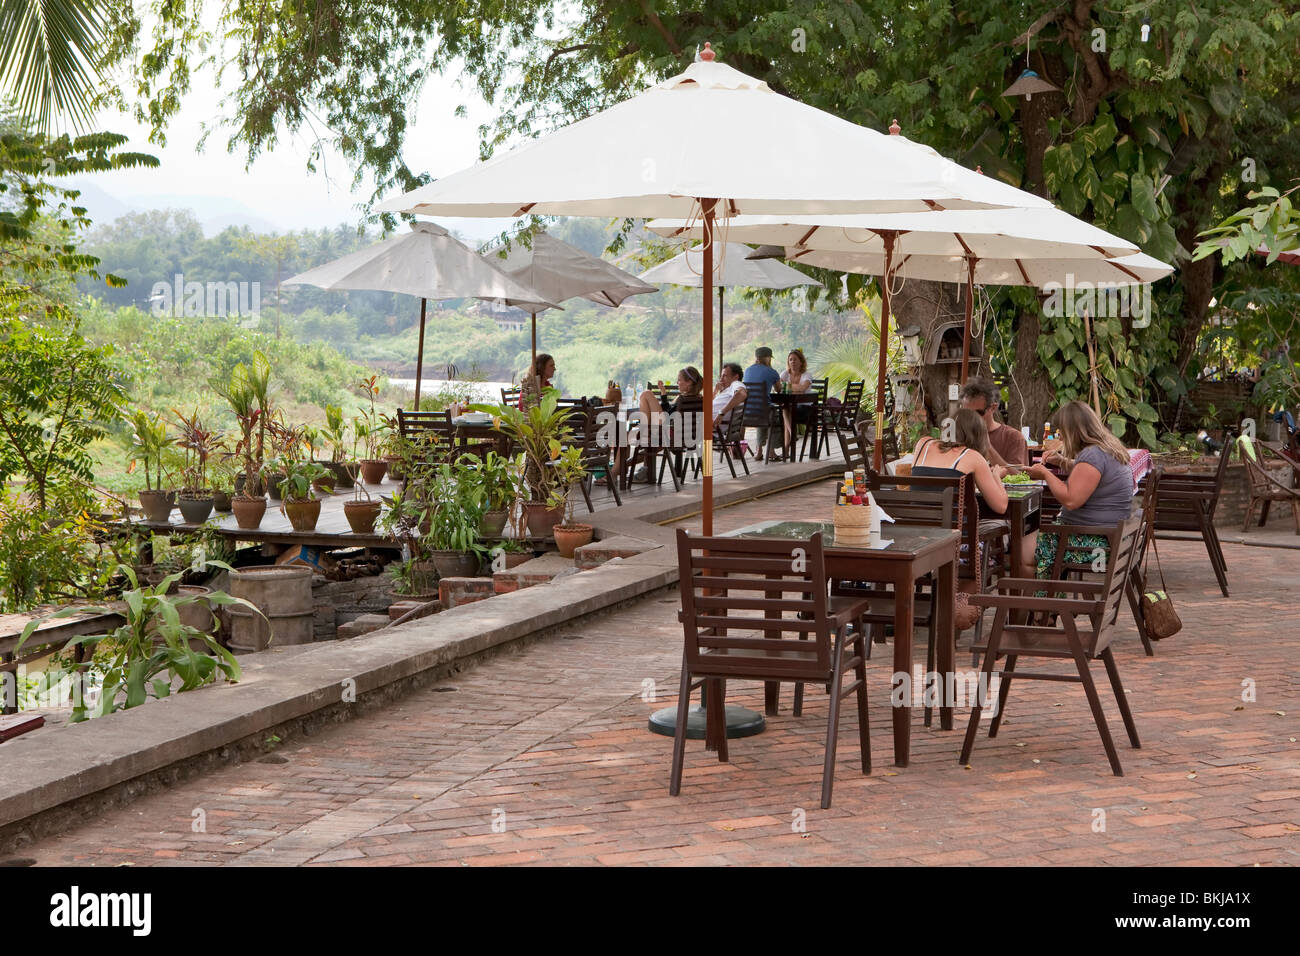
1031	247
560	271
731	269
710	142
430	263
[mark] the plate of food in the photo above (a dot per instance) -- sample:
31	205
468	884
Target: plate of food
1021	479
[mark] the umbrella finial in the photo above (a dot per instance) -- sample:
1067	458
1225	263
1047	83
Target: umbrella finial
894	128
707	53
980	170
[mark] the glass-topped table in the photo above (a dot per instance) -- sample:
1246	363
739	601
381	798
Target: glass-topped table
899	556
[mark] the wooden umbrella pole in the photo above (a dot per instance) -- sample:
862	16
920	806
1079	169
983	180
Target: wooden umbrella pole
878	454
707	207
533	316
419	357
721	352
970	309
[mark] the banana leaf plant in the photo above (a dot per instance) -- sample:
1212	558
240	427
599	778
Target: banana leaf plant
541	431
149	440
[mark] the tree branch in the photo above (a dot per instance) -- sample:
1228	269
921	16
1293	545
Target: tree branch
653	19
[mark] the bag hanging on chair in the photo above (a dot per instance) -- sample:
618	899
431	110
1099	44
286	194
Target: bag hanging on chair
1158	607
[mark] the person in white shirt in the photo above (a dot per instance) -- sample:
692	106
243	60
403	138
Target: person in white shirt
729	392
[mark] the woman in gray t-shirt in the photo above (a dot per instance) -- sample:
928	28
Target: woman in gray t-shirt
1098	490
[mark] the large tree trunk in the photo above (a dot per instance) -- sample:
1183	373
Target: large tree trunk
931	305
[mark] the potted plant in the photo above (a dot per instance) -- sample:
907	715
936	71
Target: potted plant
393	447
335	433
314	440
569	470
499	481
286	446
452	541
406	521
372	466
246	392
149	440
300	506
223	470
509	553
361	514
199	443
412	582
540	431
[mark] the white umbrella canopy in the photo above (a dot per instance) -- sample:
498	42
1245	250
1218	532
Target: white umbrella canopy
711	141
712	132
731	269
1135	269
428	262
560	271
985	233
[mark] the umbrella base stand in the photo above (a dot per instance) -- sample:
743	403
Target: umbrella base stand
741	722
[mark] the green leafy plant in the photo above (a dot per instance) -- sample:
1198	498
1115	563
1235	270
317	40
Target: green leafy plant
149	655
297	477
335	433
540	431
500	480
367	427
567	469
458	507
149	441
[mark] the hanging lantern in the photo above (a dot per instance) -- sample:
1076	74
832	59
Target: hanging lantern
1029	84
767	251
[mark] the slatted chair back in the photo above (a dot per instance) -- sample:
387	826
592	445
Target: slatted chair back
1178	507
671	391
411	424
857	452
510	396
728	435
755	607
921	498
1114	567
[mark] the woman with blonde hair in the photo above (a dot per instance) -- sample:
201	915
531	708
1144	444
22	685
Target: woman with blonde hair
1098	487
799	381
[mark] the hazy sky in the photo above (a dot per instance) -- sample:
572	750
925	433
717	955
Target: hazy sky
278	188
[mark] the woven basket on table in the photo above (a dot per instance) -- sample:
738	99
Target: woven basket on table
852	524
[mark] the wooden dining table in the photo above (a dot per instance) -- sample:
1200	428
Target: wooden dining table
900	556
789	402
1023	516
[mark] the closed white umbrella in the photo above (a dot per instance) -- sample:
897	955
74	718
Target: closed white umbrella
711	141
731	269
560	271
428	262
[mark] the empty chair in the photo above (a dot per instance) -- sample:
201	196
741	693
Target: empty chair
1188	503
757	609
1078	628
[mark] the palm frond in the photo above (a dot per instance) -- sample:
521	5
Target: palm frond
48	53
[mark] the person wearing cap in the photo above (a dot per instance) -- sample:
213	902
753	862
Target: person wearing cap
760	379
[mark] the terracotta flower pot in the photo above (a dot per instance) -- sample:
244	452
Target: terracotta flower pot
455	564
196	510
157	505
303	515
345	474
493	523
248	511
362	515
570	537
394	463
542	519
372	470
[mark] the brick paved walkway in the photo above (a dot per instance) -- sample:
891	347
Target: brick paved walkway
549	744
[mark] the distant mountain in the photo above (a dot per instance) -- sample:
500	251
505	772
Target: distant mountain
215	213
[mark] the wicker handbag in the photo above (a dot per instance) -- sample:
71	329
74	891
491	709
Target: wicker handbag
1158	607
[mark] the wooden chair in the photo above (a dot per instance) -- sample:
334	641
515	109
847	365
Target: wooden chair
789	631
1082	631
433	431
1188	502
841	417
820	388
1264	488
596	456
677	445
729	437
510	396
671	391
856	451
